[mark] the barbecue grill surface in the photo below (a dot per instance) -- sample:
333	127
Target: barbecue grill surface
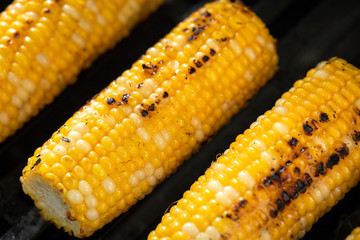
307	32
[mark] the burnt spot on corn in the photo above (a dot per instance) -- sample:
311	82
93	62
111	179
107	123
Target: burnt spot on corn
205	14
125	97
286	198
308	130
151	107
281	169
110	100
343	151
197	63
267	181
356	136
139	85
324	117
65	139
192	70
150	68
276	177
205	58
36	163
293	142
288	163
280	204
333	160
307	179
293	193
300	186
320	169
273	213
191	37
165	94
315	124
47	10
70	217
302	149
144	113
296	170
185	29
212	52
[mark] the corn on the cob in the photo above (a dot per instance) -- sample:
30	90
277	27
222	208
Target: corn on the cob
144	124
355	234
44	45
293	164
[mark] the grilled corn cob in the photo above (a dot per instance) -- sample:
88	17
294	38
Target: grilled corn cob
143	125
45	44
355	234
293	164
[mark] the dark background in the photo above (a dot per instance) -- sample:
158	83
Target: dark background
307	32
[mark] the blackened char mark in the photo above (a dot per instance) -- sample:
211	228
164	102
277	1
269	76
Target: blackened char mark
324	117
343	151
293	142
36	163
333	160
308	129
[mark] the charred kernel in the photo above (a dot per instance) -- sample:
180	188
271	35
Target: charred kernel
36	163
139	85
307	179
205	14
205	58
308	129
343	151
120	103
333	160
275	177
199	30
65	139
324	117
193	29
300	186
280	204
46	10
286	198
212	52
38	155
303	149
197	63
281	169
288	163
293	142
356	136
191	37
320	169
192	70
110	100
144	66
315	124
185	29
267	181
144	113
165	95
296	170
273	213
125	97
293	193
151	107
295	156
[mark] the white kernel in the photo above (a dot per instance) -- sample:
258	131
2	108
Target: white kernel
280	128
159	141
22	93
85	24
202	236
265	235
357	103
254	124
349	142
268	158
148	87
303	223
219	167
321	73
133	181
319	141
249	75
16	101
325	190
292	89
280	110
249	52
14	79
143	134
214	185
44	152
258	144
81	127
108	185
245	177
34	16
222	198
74	136
180	41
173	64
213	233
91	4
190	228
42	59
22	116
91	201
231	193
149	169
83	145
29	85
317	196
301	234
100	18
71	11
78	40
321	64
74	196
140	175
59	150
85	188
92	214
45	84
136	119
159	173
196	123
260	40
4	118
166	135
153	51
151	180
211	43
279	102
235	46
199	135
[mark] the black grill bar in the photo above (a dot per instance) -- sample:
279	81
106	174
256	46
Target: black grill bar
307	31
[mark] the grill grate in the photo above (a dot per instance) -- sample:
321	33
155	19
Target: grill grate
308	32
